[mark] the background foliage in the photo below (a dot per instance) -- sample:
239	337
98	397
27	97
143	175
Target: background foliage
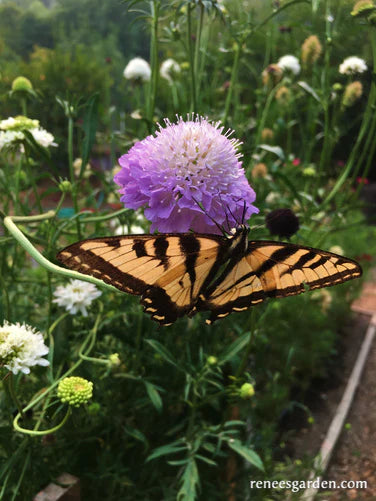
169	421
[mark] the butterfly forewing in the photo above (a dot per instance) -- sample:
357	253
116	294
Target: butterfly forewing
166	270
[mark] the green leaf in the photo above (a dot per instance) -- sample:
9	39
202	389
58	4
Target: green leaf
154	396
137	434
234	348
90	128
277	150
206	460
190	482
309	90
164	450
162	351
247	453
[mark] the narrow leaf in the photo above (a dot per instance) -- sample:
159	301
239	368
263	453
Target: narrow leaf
234	348
190	482
162	351
309	90
277	150
247	453
154	396
164	450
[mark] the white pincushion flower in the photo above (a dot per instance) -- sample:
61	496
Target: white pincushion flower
169	68
137	69
76	296
43	137
352	65
21	347
289	63
9	138
12	131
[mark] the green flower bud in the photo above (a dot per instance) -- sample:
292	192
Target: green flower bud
337	87
65	186
212	360
246	391
309	171
75	391
22	84
114	360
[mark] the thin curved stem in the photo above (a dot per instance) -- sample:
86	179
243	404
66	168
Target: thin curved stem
26	244
26	431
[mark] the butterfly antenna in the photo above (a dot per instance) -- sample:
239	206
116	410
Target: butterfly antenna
229	226
232	215
244	211
221	229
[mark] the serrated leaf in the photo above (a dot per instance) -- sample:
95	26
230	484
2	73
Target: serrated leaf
247	453
277	150
164	450
154	396
162	351
190	482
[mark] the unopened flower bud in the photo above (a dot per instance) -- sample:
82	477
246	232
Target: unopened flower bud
21	84
75	391
65	186
353	92
212	360
114	359
246	391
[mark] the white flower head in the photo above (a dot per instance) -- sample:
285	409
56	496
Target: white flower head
169	69
9	138
43	137
21	347
289	63
76	296
137	69
352	65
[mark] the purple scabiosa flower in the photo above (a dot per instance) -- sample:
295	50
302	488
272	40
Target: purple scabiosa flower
185	163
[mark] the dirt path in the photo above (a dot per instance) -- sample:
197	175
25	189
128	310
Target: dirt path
355	455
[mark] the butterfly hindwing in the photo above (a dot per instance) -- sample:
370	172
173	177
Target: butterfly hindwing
274	269
167	270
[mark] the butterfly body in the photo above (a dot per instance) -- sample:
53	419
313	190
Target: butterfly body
179	274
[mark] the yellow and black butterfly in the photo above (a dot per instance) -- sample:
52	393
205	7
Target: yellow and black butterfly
179	274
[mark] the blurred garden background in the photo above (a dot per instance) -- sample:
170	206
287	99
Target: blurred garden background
191	411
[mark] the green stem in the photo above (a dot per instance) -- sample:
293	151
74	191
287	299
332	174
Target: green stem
233	81
154	7
71	173
34	433
12	392
44	394
20	480
197	52
33	184
26	244
191	60
364	129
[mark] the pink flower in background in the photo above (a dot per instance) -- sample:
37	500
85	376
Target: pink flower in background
296	162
